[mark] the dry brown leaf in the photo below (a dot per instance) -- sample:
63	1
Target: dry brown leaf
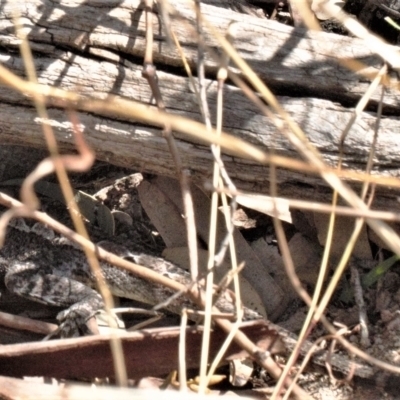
306	257
343	229
164	214
240	371
320	13
273	263
272	296
250	298
267	205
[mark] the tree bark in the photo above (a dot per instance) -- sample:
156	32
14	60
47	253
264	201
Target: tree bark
97	48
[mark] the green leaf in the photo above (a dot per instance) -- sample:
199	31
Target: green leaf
377	272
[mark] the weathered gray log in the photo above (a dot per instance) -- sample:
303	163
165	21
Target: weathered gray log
290	60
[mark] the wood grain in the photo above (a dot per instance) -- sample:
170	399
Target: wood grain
96	48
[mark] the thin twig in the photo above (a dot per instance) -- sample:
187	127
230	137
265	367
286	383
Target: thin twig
182	351
26	324
311	205
59	164
214	204
359	300
150	73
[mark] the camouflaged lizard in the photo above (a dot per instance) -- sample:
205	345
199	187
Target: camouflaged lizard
38	264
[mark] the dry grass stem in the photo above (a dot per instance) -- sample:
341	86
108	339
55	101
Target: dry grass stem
221	52
58	164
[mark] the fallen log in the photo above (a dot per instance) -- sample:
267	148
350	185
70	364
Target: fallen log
96	49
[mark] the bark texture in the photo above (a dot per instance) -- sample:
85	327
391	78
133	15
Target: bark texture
97	47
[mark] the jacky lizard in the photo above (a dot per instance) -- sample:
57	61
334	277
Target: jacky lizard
40	265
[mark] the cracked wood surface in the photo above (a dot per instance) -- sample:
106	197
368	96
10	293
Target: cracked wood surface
95	48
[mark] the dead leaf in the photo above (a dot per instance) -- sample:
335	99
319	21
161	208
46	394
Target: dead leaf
164	214
271	294
306	257
343	229
240	371
318	11
250	298
266	204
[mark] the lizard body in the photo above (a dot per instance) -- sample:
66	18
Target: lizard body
40	265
